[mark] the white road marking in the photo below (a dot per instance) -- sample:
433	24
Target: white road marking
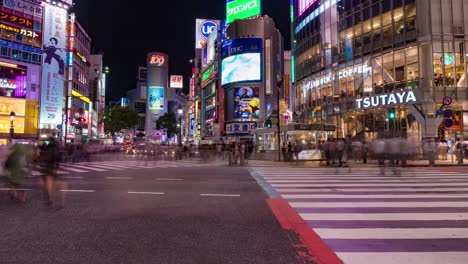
387	217
79	191
392	233
371	196
89	167
148	193
404	257
73	169
168	179
344	191
383	184
220	195
9	189
119	178
379	205
72	177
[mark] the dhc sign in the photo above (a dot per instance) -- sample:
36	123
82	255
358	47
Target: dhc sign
207	28
406	97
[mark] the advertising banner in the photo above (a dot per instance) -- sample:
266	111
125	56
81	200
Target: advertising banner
242	9
28	7
11	18
247	103
242	61
55	24
176	81
203	29
156	98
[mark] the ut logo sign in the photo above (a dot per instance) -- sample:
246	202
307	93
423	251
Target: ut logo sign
157	59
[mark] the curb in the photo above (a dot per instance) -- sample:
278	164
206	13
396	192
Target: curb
310	247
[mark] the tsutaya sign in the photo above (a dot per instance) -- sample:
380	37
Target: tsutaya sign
406	97
364	69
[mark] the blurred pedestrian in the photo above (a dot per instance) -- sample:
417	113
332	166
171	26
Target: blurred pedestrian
443	149
297	149
16	171
50	157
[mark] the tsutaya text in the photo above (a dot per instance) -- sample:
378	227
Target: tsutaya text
406	97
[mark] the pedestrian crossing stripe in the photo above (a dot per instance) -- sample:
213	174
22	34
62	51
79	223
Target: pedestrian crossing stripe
419	216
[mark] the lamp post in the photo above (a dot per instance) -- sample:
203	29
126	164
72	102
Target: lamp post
180	112
12	125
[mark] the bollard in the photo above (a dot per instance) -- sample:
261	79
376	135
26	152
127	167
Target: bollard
460	156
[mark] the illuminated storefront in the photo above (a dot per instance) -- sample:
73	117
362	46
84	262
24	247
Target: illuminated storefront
25	122
353	61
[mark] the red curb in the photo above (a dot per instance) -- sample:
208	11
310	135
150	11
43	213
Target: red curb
317	251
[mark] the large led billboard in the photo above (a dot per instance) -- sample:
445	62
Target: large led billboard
247	103
242	9
53	69
242	61
156	98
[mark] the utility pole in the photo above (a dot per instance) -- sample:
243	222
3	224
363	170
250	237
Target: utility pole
280	86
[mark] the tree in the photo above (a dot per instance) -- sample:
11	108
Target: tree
168	124
119	118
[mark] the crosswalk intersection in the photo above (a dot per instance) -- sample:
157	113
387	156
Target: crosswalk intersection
420	216
109	166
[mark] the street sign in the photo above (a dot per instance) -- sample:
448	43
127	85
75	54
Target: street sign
447	100
59	126
448	123
448	113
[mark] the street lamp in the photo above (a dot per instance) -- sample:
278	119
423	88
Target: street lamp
12	126
180	112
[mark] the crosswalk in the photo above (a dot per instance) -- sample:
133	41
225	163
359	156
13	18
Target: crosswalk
420	216
109	166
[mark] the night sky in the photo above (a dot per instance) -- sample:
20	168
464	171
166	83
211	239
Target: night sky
125	31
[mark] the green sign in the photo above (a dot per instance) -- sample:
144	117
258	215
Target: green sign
207	74
241	9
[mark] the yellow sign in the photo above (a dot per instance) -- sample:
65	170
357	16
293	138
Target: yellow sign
26	112
9	104
80	96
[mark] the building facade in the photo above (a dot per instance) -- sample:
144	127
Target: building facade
381	68
21	41
251	68
79	99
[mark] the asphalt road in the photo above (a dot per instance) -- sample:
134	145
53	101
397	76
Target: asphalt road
147	215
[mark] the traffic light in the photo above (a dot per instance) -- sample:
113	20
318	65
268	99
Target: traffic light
391	113
268	123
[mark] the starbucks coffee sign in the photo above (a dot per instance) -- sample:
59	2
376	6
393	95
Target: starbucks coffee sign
398	98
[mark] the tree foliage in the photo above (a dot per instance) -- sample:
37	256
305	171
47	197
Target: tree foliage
168	124
119	118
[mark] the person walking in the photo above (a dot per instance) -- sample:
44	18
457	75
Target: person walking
443	149
50	156
16	168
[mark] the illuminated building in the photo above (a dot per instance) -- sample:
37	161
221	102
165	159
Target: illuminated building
21	39
353	59
81	104
251	68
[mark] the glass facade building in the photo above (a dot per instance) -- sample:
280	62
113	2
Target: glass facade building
345	51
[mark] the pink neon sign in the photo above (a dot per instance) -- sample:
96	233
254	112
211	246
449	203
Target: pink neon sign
304	5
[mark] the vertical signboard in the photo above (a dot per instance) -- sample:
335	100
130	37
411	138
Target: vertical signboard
203	29
176	81
53	70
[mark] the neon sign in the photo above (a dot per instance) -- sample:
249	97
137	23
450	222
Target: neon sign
408	97
157	59
8	84
304	5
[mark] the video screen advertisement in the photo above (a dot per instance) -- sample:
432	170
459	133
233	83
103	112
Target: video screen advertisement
247	103
242	61
156	98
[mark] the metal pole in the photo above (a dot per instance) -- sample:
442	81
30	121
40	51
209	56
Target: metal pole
12	131
279	123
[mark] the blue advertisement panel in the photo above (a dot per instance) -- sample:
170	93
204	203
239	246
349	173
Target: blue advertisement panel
242	61
247	103
156	98
53	69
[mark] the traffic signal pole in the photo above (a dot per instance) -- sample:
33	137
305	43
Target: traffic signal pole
280	84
